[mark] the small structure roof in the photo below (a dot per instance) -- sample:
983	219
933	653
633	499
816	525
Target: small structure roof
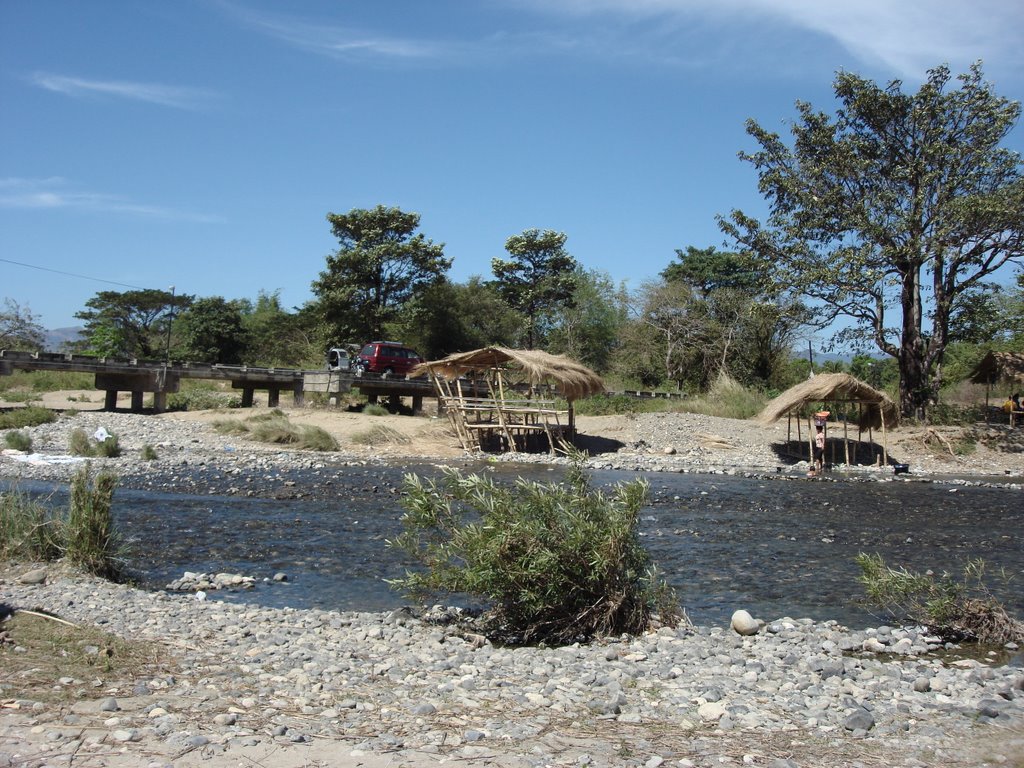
996	366
571	378
834	387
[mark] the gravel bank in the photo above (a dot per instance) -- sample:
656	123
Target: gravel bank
346	689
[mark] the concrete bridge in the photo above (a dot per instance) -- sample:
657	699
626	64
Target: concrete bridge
141	376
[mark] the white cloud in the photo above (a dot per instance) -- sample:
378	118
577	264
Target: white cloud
55	193
907	37
153	93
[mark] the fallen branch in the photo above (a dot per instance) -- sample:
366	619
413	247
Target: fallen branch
46	616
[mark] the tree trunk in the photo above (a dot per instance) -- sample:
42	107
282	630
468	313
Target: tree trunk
915	387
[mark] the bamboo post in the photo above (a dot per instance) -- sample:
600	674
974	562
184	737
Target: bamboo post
885	446
799	438
846	440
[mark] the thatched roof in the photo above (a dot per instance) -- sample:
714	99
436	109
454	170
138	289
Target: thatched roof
834	388
572	379
996	366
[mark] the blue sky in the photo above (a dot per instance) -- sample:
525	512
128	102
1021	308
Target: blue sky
201	143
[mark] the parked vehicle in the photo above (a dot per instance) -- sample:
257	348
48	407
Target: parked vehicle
338	359
387	357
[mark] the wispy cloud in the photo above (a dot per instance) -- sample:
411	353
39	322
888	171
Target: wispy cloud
55	193
907	37
339	41
153	93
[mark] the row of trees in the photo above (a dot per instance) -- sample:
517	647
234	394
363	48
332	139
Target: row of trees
895	216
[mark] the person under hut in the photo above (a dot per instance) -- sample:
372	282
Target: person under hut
818	456
1012	407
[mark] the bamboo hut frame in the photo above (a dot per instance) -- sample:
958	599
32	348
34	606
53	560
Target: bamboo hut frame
996	367
508	394
874	409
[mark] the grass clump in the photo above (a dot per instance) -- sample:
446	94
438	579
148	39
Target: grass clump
612	405
148	453
275	427
202	399
380	434
83	533
375	409
954	609
18	440
29	530
556	563
80	444
29	416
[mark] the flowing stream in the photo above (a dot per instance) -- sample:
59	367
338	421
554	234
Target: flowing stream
776	547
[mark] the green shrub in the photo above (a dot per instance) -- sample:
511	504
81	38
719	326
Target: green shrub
954	610
18	440
555	562
202	400
29	416
148	453
610	405
47	381
91	541
28	529
79	443
109	448
375	409
20	396
727	398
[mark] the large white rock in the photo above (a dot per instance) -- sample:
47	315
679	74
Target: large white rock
744	624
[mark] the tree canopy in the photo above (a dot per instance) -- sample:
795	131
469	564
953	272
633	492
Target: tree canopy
537	279
130	323
380	263
890	212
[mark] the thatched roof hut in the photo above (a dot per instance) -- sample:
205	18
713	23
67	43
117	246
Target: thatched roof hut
835	388
999	366
572	380
509	397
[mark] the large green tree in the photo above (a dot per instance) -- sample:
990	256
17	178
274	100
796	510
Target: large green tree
19	328
130	323
538	279
380	263
587	329
889	212
211	331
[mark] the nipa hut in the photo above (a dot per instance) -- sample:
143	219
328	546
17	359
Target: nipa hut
506	398
999	368
839	392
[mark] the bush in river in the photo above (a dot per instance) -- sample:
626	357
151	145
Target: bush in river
90	540
83	533
555	562
955	610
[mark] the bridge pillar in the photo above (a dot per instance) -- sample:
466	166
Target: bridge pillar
247	397
136	401
417	403
110	400
299	394
159	402
273	397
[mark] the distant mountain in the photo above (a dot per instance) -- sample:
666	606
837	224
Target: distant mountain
57	337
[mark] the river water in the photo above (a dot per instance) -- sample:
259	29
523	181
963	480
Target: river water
774	546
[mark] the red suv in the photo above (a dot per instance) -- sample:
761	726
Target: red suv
388	357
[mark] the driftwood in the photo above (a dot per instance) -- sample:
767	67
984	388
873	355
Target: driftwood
46	616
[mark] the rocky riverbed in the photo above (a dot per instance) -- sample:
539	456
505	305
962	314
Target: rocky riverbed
243	685
239	685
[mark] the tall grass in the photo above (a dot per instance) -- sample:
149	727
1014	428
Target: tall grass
47	381
83	533
726	398
29	530
90	541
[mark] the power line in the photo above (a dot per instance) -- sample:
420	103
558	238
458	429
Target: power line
72	274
